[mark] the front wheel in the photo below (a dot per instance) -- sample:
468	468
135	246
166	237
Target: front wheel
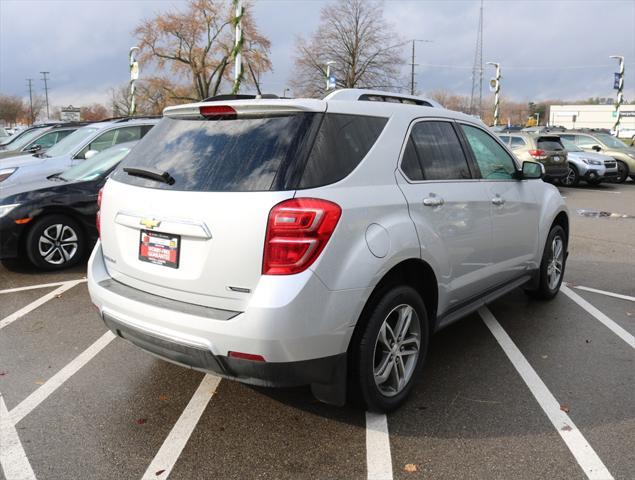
390	350
55	242
554	258
622	172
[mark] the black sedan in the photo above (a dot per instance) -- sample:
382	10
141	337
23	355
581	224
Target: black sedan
52	222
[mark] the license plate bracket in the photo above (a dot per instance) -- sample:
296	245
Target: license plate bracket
159	248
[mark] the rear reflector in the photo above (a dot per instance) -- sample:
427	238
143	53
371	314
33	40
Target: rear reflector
297	232
247	356
98	218
218	111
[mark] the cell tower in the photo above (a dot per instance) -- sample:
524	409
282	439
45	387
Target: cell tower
476	98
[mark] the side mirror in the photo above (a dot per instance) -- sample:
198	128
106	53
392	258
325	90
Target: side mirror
532	170
90	154
34	148
597	148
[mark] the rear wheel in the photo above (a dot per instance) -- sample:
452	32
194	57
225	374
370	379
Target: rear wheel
55	242
622	172
552	265
572	178
391	349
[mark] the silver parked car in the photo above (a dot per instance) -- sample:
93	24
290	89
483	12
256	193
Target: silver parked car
322	242
592	167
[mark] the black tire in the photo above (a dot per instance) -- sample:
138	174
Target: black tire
367	344
572	178
546	289
622	172
55	242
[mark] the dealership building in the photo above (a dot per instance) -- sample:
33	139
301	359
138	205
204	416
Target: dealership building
591	116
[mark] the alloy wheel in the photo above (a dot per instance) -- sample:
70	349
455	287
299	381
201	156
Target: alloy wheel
58	244
569	178
397	349
554	267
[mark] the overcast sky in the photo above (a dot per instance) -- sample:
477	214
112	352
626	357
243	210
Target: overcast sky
547	48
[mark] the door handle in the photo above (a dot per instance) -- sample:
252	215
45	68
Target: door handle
498	200
433	201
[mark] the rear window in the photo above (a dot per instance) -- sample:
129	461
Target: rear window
549	144
255	154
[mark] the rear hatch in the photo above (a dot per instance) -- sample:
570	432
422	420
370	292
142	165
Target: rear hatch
185	215
552	153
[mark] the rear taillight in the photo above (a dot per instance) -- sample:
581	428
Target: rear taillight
221	112
297	232
537	153
98	219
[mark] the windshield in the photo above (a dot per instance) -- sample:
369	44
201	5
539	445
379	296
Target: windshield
610	141
97	165
570	146
26	138
66	145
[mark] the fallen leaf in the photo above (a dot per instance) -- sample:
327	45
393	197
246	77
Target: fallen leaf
588	341
2	374
566	428
163	398
159	472
59	295
141	421
564	408
410	468
39	382
545	356
630	314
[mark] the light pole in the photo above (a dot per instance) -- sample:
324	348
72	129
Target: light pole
134	75
412	64
238	46
495	85
284	94
619	86
329	85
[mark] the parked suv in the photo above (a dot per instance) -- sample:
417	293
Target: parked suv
321	242
545	148
605	143
40	140
82	144
592	167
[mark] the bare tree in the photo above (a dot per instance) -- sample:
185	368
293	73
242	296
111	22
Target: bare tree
13	109
94	112
196	46
366	50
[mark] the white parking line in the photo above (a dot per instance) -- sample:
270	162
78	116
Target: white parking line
173	445
378	458
35	287
610	324
37	303
13	460
603	292
27	405
573	438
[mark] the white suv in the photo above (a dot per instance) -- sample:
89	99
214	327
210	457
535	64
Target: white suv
321	242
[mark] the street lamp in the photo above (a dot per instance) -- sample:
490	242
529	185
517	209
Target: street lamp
134	76
495	85
330	82
284	94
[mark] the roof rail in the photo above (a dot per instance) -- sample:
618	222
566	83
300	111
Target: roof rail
361	94
126	119
239	96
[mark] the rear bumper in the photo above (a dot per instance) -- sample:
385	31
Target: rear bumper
555	172
303	338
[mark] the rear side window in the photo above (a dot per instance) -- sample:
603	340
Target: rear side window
434	152
550	144
341	143
517	142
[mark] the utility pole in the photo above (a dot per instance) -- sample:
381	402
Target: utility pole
477	70
46	91
134	76
619	86
412	64
495	85
30	80
238	46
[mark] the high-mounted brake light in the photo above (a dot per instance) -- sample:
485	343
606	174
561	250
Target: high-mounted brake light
297	231
98	219
218	111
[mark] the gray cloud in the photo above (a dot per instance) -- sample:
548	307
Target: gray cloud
85	43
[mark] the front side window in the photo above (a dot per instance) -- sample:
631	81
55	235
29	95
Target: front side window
434	152
492	159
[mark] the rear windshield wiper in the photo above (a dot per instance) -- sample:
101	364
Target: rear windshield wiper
150	173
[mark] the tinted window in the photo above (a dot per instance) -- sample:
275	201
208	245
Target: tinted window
517	142
550	144
341	143
438	151
220	155
492	159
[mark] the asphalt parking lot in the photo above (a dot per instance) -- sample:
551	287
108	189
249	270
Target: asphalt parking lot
522	389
